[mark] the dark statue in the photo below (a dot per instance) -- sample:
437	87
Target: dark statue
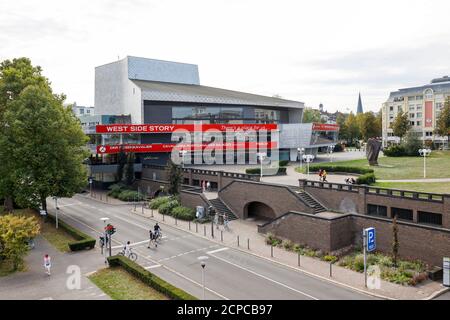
372	150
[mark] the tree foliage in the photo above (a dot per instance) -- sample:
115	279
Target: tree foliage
395	244
175	175
311	115
401	124
443	122
14	233
43	147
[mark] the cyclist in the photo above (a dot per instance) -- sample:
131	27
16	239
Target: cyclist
127	249
157	230
152	239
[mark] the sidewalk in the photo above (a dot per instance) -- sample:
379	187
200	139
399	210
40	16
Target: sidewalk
243	236
102	196
35	284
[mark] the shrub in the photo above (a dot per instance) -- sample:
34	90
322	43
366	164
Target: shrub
166	208
298	248
338	148
337	168
330	258
309	252
115	190
253	171
358	263
283	163
130	195
157	202
395	151
368	178
288	245
149	278
183	213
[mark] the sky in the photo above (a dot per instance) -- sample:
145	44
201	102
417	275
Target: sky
310	51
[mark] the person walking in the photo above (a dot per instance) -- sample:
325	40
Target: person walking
225	222
152	239
324	175
208	186
47	264
320	174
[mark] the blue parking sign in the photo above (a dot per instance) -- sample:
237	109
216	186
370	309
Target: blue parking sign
371	239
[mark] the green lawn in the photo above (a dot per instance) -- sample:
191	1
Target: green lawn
395	168
432	187
120	285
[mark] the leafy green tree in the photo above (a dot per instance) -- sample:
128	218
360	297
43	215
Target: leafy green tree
443	122
45	146
311	115
379	124
129	173
15	76
175	175
121	160
352	128
367	125
401	125
411	143
14	233
340	121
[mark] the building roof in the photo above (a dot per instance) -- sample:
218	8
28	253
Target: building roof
162	91
440	85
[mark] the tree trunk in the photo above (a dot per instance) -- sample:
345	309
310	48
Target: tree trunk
44	203
9	205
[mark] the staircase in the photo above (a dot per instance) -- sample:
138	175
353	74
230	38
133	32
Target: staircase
222	209
310	201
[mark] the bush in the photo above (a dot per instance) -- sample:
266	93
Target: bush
281	170
149	278
368	178
283	163
130	195
330	258
288	245
395	151
157	202
338	148
166	208
115	190
272	240
183	213
83	240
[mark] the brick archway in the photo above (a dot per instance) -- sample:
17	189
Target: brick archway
256	209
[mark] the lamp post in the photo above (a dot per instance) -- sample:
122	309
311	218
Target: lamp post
90	187
203	264
56	210
330	152
261	156
308	158
424	153
300	155
106	236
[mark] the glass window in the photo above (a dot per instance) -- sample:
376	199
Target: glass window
428	94
411	115
412	123
418	107
81	111
266	114
411	98
438	105
399	108
419	115
419	123
411	107
391	108
419	97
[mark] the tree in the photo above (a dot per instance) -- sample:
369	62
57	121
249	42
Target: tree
352	128
175	175
411	143
340	121
443	122
45	147
129	173
395	243
15	76
14	233
367	125
311	115
401	124
121	161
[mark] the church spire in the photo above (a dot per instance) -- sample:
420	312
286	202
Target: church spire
360	107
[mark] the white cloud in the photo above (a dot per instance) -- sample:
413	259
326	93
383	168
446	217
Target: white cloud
312	51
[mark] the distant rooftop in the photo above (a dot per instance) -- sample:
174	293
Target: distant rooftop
439	85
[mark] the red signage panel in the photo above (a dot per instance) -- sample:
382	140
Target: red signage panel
168	128
325	127
167	147
428	113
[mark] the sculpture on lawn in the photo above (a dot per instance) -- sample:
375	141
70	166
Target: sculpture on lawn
373	148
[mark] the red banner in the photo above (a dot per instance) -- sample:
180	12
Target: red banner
167	147
325	127
428	114
167	128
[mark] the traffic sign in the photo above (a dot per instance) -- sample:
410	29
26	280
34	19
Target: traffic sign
371	239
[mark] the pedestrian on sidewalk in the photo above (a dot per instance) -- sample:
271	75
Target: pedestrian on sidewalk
208	186
324	176
225	222
47	264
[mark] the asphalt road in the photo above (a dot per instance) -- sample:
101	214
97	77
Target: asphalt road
229	273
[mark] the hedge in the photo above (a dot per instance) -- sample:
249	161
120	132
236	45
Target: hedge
283	163
166	208
149	278
157	202
281	170
83	240
183	213
368	178
337	168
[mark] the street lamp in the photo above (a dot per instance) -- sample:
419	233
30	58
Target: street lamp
330	152
90	187
261	156
424	153
300	154
308	158
106	236
56	209
203	264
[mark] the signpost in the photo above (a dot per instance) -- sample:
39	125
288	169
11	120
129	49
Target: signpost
446	271
369	244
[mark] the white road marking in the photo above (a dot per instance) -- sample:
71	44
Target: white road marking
153	261
266	278
154	266
218	250
132	244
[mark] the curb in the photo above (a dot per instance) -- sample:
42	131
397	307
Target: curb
277	262
111	204
437	294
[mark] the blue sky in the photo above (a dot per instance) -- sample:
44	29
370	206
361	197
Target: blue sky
311	51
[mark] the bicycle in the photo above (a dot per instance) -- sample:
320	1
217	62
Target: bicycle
132	256
158	236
